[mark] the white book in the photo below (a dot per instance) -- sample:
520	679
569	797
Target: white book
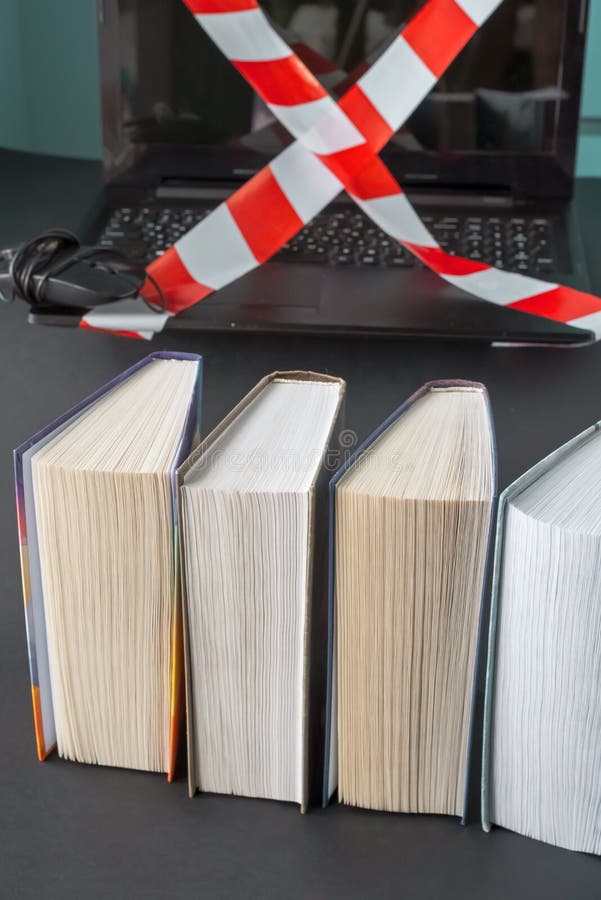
251	498
542	737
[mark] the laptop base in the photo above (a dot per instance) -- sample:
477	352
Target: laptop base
313	299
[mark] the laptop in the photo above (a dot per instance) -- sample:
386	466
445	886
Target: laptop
487	159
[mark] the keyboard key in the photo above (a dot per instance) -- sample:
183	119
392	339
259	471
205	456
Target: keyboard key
399	258
133	249
123	231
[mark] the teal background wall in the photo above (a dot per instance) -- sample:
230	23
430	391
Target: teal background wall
49	100
589	145
49	80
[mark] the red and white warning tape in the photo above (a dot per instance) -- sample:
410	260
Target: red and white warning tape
336	148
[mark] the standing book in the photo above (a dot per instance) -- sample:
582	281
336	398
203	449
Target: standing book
96	505
253	510
410	516
541	773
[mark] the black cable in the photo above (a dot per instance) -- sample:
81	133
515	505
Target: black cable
37	262
30	258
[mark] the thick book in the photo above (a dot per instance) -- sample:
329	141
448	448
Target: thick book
410	521
541	773
253	511
97	519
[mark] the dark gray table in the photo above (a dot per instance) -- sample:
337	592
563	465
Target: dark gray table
73	831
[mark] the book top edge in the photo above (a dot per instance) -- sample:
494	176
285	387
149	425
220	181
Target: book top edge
279	377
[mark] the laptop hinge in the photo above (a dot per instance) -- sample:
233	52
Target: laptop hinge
181	190
455	197
459	198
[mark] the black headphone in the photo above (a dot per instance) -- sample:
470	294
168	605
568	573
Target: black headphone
55	270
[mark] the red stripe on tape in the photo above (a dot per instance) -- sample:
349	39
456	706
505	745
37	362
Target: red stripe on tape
285	82
129	334
178	286
561	303
364	175
278	221
364	115
219	6
438	32
445	263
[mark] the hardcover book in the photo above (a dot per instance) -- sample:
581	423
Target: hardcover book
541	772
97	518
410	517
253	508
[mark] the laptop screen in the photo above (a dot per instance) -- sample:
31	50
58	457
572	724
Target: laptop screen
173	89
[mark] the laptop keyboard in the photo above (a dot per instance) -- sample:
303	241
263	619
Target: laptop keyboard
346	237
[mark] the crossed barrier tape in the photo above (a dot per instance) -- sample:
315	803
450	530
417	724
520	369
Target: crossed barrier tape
336	148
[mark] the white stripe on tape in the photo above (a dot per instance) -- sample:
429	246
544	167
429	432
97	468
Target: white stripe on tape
592	322
397	82
478	10
500	287
302	117
127	315
333	132
215	252
395	215
244	36
307	182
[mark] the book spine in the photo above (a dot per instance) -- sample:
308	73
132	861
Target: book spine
176	711
43	746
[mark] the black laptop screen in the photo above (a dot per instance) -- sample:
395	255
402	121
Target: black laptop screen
502	95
